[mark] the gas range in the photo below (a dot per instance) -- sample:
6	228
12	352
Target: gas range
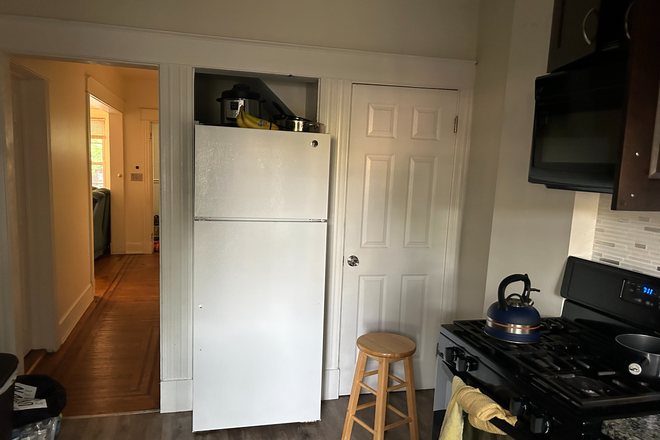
576	377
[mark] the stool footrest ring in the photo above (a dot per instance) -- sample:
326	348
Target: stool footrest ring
393	377
368	388
399	423
397	412
397	387
364	425
366	405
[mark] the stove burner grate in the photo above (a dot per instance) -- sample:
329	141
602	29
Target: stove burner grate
570	361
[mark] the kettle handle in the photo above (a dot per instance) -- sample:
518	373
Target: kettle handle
509	280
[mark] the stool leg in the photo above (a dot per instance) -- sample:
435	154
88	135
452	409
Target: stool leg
381	398
410	395
355	394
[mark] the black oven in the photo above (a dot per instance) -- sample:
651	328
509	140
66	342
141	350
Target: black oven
575	383
578	127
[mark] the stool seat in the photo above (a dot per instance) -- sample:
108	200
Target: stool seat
386	345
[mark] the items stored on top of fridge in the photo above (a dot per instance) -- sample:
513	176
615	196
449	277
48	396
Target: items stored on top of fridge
248	121
240	96
290	122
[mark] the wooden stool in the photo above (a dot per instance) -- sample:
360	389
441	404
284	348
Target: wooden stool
385	348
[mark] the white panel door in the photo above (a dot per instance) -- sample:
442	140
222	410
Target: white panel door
402	148
241	173
258	323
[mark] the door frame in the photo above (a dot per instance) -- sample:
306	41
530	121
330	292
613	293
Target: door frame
176	56
40	285
148	117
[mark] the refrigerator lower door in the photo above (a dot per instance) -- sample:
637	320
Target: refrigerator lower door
258	323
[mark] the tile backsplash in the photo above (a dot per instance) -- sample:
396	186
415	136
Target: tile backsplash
630	240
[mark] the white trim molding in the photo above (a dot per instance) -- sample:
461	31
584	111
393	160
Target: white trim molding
334	112
176	221
176	395
459	181
148	117
177	55
9	287
101	93
71	317
330	384
149	114
123	45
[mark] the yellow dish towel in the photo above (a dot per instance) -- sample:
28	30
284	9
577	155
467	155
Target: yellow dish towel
480	409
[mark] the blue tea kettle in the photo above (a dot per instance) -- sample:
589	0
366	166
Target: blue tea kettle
514	319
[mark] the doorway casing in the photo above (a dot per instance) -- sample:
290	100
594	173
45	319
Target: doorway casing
32	225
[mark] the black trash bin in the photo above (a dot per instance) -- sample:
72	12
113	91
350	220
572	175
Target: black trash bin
8	371
47	390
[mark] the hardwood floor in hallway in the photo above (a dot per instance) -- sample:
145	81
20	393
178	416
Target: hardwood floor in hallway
111	361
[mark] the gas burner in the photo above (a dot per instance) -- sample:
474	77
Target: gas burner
567	357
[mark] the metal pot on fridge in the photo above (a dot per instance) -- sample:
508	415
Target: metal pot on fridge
514	319
295	123
239	96
643	355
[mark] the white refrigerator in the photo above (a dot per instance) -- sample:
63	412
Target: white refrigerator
261	204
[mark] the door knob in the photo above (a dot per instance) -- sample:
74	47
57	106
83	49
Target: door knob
353	261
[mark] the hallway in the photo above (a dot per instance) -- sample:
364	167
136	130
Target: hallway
111	361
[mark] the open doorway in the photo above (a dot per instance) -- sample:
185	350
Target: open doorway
104	300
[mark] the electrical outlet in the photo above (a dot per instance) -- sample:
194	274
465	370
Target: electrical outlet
136	177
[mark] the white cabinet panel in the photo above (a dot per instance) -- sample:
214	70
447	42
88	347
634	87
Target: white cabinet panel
241	173
258	323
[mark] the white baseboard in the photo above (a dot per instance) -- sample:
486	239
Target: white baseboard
330	384
67	322
134	248
176	395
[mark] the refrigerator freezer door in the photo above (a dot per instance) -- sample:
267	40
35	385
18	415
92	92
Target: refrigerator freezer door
258	323
242	173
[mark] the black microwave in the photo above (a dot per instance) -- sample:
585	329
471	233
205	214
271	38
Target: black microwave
578	127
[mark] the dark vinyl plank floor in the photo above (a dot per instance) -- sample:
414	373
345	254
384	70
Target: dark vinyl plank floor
178	426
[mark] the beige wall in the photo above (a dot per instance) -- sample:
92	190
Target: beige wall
531	224
518	227
70	181
141	93
493	45
439	28
73	238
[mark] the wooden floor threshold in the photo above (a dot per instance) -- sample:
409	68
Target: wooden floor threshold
121	414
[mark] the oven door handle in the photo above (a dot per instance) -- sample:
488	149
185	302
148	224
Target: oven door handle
518	432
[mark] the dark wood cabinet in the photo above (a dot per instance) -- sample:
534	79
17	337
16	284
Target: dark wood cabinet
574	31
582	28
637	184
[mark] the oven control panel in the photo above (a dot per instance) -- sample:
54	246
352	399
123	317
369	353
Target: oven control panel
645	295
